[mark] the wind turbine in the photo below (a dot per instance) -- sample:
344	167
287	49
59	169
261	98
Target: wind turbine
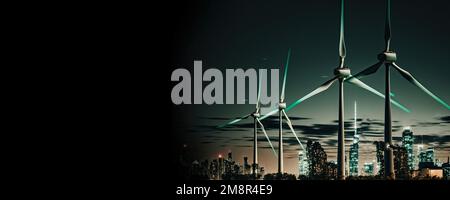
388	58
342	74
281	113
256	114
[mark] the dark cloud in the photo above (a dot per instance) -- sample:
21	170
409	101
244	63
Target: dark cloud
445	119
273	117
427	139
324	133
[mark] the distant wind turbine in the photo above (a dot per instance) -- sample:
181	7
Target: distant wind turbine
256	114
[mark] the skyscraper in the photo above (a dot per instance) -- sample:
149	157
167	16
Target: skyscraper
317	160
408	143
446	169
302	163
354	156
401	167
354	150
380	156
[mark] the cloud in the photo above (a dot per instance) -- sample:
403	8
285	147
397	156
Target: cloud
241	134
273	117
445	119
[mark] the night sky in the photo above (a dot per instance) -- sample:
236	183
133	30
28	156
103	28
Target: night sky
255	34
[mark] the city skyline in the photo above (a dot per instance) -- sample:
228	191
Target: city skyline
212	145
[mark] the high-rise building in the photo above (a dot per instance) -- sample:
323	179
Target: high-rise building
420	153
380	157
426	158
354	148
302	163
221	168
430	154
354	156
401	167
317	160
368	169
446	169
408	143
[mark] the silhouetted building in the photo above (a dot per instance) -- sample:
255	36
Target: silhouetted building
408	143
246	166
221	167
354	156
331	169
446	169
401	167
317	160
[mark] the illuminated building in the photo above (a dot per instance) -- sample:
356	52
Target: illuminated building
408	143
302	163
368	169
380	157
420	153
354	150
317	158
354	156
430	154
426	158
401	167
446	169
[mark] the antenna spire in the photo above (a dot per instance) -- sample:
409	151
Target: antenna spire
356	126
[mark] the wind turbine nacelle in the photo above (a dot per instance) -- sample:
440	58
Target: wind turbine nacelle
256	114
387	57
342	72
281	106
387	146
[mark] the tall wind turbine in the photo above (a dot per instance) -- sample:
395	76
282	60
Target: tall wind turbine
342	74
388	58
256	114
281	113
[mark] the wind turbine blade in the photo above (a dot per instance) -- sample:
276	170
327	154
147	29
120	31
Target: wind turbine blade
320	89
235	120
408	76
342	50
259	94
370	70
285	74
269	114
387	28
359	83
267	137
292	129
